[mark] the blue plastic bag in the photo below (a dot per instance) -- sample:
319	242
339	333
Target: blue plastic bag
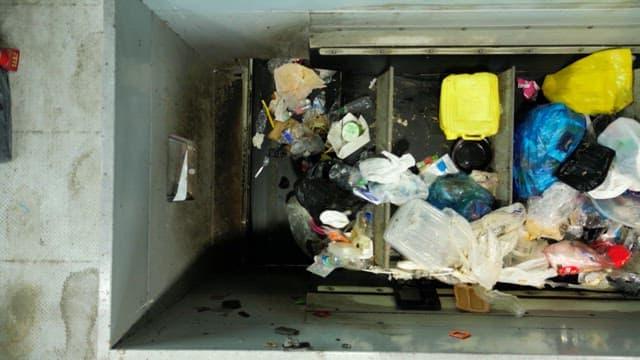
545	139
462	194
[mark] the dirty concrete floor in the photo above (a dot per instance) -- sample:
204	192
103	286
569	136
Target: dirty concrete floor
51	191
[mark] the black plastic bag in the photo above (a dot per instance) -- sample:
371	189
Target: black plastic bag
5	117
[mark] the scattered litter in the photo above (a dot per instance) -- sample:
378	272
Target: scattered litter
265	163
295	82
326	75
402	122
544	140
467	300
267	112
284	183
335	219
372	83
600	83
459	334
437	167
462	194
202	308
257	140
386	170
575	203
294	344
346	346
231	304
530	88
283	330
356	106
357	131
501	301
573	257
587	167
469	155
470	106
487	180
271	345
549	213
322	313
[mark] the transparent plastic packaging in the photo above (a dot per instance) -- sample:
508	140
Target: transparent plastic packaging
356	106
345	176
623	136
427	236
408	186
573	257
386	170
501	301
549	214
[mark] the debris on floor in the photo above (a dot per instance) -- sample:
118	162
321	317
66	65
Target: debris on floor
576	183
321	313
202	308
294	344
530	88
460	334
283	330
231	304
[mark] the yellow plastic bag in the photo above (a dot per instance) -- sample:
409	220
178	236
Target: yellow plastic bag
600	83
295	82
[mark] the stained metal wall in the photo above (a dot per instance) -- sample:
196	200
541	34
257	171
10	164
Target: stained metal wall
162	87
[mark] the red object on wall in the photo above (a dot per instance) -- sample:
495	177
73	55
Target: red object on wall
9	59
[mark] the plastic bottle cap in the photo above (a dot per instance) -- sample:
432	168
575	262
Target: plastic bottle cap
350	131
619	255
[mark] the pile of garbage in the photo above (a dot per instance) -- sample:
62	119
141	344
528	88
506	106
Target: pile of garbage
576	177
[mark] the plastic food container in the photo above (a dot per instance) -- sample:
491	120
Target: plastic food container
470	106
471	155
624	209
424	234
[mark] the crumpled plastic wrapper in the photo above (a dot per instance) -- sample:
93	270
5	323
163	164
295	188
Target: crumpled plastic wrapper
295	82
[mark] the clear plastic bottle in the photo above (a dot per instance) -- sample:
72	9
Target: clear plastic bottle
342	260
362	232
319	103
338	255
356	106
261	122
303	107
345	176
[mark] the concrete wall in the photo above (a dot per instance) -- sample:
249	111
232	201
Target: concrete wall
50	194
162	87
